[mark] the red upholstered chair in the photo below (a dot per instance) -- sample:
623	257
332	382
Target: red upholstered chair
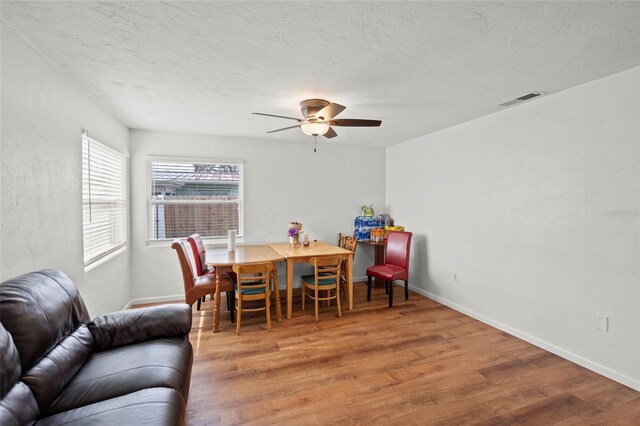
396	264
199	253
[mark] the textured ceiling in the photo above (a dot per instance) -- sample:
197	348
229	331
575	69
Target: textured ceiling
203	67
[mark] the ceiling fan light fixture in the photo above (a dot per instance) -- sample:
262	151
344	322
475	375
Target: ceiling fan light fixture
319	119
315	129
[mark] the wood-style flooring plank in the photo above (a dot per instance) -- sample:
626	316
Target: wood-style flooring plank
418	363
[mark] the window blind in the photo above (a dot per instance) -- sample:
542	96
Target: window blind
104	200
188	197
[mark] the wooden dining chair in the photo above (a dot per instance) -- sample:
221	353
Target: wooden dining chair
197	286
350	244
326	277
253	282
396	264
199	252
341	239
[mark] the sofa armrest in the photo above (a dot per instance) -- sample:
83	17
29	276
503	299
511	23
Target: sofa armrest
139	325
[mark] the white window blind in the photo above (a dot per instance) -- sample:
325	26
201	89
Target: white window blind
203	197
104	200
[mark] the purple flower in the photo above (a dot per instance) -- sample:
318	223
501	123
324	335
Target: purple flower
293	232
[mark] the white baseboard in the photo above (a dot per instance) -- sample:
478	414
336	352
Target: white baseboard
577	359
180	297
157	299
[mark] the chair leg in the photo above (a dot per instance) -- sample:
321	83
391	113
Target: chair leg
198	304
406	289
231	295
303	295
368	288
390	294
316	302
338	301
239	313
267	306
276	289
386	287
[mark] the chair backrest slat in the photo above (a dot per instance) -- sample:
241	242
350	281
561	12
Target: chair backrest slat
329	267
350	244
341	240
255	275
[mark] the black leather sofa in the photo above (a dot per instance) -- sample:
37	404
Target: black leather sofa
57	367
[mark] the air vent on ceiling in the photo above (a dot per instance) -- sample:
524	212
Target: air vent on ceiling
521	99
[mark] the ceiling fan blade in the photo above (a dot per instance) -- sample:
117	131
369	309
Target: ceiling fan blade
330	133
279	116
330	111
284	128
355	122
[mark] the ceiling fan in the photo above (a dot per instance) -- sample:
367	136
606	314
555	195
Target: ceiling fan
319	116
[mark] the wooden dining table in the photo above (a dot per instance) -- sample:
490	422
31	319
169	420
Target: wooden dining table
223	260
301	254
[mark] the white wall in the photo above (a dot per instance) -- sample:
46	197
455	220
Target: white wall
43	114
283	181
517	203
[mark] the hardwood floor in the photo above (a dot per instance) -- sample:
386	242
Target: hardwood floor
418	363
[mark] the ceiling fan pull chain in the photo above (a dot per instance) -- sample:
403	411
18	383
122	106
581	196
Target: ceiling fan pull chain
315	142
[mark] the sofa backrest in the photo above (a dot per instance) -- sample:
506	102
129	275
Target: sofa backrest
40	309
46	318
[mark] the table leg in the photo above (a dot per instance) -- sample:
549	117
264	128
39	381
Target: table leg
379	253
379	260
350	280
216	306
289	287
277	291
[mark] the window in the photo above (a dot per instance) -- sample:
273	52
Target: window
104	200
185	197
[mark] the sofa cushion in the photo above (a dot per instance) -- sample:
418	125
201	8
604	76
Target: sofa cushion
18	407
40	309
156	406
108	374
51	374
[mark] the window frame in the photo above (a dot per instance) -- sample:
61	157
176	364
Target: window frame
114	250
193	160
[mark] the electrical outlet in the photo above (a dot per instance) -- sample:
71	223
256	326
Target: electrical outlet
456	277
602	322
